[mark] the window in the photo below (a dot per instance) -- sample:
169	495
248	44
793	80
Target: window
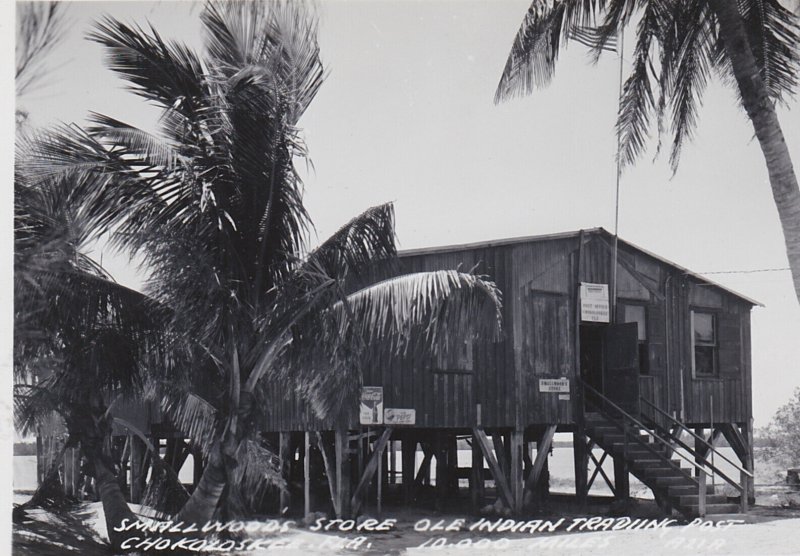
638	314
704	343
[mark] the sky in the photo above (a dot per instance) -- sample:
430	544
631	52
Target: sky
407	115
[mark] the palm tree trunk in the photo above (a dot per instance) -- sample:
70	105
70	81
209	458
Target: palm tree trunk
115	507
201	505
761	112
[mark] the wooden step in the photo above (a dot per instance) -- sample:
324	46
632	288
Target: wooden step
662	472
685	490
669	481
652	461
692	499
714	509
634	448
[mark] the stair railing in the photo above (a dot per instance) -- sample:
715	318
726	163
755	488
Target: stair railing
744	475
628	418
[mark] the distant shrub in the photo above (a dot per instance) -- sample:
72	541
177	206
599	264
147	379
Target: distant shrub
780	440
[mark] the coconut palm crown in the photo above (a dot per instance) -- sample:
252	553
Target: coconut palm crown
751	45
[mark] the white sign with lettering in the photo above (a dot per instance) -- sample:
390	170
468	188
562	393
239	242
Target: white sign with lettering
554	385
370	410
594	302
397	416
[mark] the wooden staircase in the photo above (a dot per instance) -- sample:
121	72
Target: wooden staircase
655	465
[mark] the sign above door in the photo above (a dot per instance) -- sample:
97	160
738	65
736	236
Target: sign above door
594	303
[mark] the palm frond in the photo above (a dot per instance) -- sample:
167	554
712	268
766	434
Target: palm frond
534	52
257	468
689	71
637	103
41	26
195	417
546	29
366	239
275	41
168	74
421	313
148	149
774	36
443	304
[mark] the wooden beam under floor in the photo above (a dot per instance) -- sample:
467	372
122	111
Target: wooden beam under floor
542	451
503	488
284	452
369	470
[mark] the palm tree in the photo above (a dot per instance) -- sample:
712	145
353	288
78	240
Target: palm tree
751	44
214	205
81	341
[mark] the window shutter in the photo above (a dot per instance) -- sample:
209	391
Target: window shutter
546	344
730	344
657	337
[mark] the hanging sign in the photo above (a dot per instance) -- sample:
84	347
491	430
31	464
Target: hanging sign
594	302
554	385
370	411
397	416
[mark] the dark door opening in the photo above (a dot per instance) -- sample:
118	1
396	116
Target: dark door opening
610	362
592	336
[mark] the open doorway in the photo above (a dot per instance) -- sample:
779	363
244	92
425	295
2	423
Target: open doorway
610	362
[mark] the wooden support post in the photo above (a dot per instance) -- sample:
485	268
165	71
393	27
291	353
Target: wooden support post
441	471
330	473
369	470
750	466
379	496
517	485
542	451
701	498
500	453
137	455
622	485
527	462
285	454
699	449
741	442
452	464
409	455
581	457
424	474
744	482
500	480
392	463
307	474
342	473
476	485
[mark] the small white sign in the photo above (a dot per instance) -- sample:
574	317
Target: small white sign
370	410
594	303
554	385
396	416
563	397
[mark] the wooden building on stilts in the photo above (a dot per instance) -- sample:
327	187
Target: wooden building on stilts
651	379
641	361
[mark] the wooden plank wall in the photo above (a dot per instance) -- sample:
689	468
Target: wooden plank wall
729	392
498	386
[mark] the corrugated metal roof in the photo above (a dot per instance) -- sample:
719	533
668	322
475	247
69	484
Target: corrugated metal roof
567	235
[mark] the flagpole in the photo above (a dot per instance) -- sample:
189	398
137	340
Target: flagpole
621	45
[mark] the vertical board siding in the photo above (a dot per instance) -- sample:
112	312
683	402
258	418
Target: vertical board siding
539	314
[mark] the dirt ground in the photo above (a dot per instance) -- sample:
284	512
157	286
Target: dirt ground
770	527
